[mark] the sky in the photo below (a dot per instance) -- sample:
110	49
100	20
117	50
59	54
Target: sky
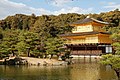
55	7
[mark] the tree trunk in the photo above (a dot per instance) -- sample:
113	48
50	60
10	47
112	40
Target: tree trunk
13	53
50	56
118	73
28	52
45	56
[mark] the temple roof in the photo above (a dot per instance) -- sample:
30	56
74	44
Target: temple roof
88	19
83	33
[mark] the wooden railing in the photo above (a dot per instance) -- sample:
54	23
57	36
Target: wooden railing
86	52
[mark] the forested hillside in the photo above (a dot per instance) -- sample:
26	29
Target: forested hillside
32	34
60	22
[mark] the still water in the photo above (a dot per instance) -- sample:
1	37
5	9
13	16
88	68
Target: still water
80	70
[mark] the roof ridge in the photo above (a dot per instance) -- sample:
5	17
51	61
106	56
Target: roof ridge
89	19
99	21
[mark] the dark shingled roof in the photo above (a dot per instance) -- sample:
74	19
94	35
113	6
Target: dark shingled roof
83	33
88	19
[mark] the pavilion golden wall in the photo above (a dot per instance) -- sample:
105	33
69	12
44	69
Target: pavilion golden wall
100	38
104	39
88	28
86	39
85	28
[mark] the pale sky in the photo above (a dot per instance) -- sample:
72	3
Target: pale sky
55	7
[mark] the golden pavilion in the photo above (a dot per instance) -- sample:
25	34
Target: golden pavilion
88	38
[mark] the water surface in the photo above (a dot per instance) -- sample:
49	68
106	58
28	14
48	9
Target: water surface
80	70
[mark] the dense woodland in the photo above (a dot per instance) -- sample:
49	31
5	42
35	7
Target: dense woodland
59	23
39	35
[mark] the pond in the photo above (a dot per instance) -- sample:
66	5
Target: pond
82	69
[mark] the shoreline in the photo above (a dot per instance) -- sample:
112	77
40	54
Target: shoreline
44	62
30	61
